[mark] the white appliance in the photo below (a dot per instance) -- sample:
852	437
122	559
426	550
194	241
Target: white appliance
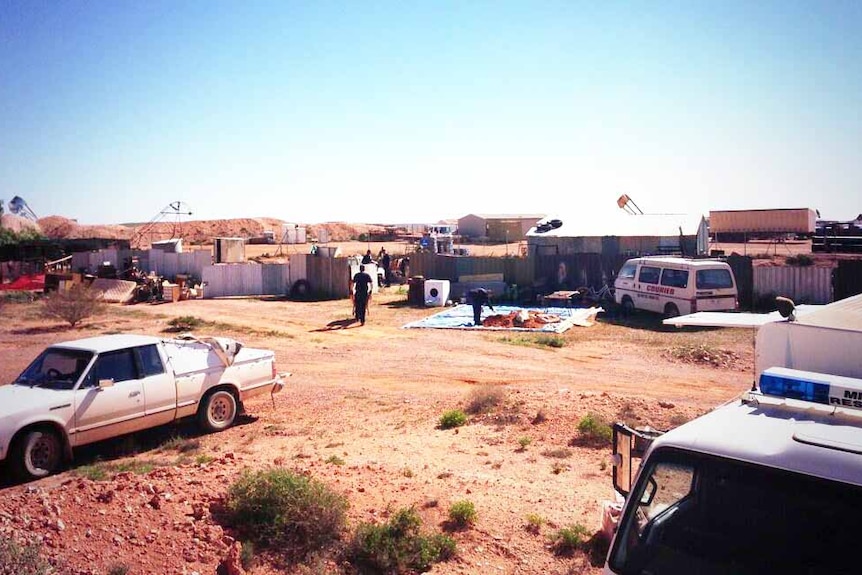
436	292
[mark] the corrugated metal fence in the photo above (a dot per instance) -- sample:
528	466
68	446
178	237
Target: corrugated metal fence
246	280
801	284
156	261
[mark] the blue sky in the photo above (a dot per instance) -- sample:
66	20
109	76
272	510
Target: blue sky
410	112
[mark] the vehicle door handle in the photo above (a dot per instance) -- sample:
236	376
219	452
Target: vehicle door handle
134	394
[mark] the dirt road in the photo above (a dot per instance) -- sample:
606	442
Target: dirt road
360	413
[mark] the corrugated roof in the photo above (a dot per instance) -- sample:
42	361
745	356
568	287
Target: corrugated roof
842	314
507	216
620	223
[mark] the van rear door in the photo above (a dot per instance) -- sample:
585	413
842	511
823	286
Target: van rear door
715	289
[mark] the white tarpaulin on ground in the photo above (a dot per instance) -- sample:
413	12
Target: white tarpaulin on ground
734	319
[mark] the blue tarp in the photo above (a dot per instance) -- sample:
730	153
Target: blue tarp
461	317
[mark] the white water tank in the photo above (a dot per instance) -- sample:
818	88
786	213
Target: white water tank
436	292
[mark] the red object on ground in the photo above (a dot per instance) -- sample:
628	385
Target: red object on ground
26	283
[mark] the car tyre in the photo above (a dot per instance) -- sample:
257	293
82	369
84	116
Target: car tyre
218	410
35	454
628	306
670	310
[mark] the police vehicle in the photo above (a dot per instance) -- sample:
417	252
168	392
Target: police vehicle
768	483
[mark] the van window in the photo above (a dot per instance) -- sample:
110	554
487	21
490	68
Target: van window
718	278
649	275
628	272
704	514
674	278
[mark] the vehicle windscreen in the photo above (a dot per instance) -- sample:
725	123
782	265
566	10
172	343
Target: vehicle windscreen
704	514
56	368
714	279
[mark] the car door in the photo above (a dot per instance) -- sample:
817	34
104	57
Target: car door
647	288
103	412
160	391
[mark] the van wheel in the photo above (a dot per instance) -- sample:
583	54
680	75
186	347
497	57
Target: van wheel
218	411
37	453
670	310
628	306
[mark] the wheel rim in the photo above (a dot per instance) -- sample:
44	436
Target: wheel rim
222	409
43	454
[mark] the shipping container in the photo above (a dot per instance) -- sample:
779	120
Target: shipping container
755	223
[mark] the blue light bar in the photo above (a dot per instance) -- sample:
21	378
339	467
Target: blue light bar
812	387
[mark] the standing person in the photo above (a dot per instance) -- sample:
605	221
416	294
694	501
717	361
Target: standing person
478	298
385	261
367	259
404	267
361	293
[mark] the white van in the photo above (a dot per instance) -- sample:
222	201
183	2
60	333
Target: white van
675	286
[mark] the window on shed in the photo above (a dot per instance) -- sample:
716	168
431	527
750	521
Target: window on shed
674	278
151	361
649	275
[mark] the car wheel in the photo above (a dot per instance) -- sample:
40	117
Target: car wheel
218	411
36	454
670	310
628	306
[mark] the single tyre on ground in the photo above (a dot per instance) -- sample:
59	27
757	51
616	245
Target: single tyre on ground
218	410
36	454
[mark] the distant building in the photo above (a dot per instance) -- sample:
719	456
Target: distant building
743	225
619	233
497	227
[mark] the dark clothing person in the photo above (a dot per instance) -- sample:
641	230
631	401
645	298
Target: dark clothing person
362	283
367	259
479	297
404	267
385	261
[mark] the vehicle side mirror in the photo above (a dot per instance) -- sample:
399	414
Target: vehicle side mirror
622	458
649	491
105	383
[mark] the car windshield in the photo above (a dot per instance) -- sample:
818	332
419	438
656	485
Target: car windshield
56	368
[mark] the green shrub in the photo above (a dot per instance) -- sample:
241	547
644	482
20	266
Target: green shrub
484	399
453	418
398	545
186	323
594	430
802	260
22	559
534	523
286	511
334	460
462	514
73	305
523	442
568	539
558	453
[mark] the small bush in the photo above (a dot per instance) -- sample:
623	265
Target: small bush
462	514
398	545
246	555
286	511
555	341
73	305
540	417
334	460
523	442
678	419
453	418
569	539
558	453
118	569
534	523
802	260
186	323
594	430
484	399
22	559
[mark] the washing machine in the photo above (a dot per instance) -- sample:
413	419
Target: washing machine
436	292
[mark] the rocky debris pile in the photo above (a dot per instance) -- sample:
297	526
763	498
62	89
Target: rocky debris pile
528	319
17	224
160	522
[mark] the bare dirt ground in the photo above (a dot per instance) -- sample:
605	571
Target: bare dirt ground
360	413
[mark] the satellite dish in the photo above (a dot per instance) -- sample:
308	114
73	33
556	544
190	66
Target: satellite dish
786	307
